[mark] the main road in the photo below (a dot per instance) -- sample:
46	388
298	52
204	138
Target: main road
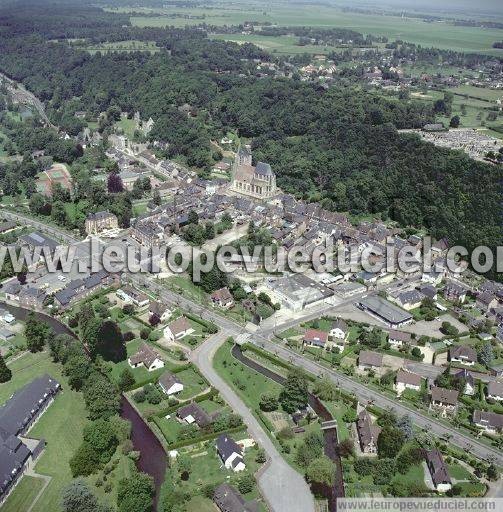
363	393
282	487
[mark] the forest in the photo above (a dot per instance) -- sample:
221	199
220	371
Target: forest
338	145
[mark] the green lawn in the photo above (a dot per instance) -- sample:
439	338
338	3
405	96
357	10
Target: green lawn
249	384
200	504
193	383
415	475
458	472
61	426
26	491
123	46
183	285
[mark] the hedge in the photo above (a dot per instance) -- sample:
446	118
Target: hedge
204	323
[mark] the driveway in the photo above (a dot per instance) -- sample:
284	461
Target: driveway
283	488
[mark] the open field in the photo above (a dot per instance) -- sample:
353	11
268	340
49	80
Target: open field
439	34
123	46
26	492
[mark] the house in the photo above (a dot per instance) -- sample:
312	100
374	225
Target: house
129	294
159	311
368	432
429	291
228	499
463	354
410	299
454	292
385	311
170	384
6	334
399	338
17	416
100	221
495	390
489	421
438	470
444	399
486	301
178	329
222	298
339	330
369	360
193	413
36	239
468	379
315	338
407	380
6	317
146	357
230	453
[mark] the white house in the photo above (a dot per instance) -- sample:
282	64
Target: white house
463	354
407	380
230	453
146	357
399	338
129	294
339	330
159	310
178	329
170	384
488	421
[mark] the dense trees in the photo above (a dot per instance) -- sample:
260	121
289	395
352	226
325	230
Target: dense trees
135	494
294	394
37	332
5	372
77	497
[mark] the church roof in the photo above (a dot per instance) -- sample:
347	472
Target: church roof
263	169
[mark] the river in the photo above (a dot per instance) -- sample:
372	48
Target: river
153	458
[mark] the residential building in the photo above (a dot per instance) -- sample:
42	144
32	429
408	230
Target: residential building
78	289
36	239
463	354
429	291
399	338
339	330
228	499
368	432
17	416
230	453
315	338
491	422
170	384
467	377
258	182
369	360
146	357
380	308
159	310
146	232
193	413
438	470
222	298
495	390
129	294
407	380
486	301
444	399
410	299
454	292
100	221
178	329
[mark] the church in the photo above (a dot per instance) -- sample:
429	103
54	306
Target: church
258	182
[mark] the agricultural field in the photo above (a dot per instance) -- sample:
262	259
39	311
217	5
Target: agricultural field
442	35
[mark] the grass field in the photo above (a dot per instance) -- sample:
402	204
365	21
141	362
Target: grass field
439	34
26	491
123	46
61	426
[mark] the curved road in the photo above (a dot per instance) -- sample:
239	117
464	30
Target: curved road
284	489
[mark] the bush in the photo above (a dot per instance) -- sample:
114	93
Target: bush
139	397
128	336
145	333
246	484
364	466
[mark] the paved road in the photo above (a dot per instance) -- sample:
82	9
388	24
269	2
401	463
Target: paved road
45	228
283	488
363	393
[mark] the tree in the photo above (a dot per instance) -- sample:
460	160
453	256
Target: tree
77	497
77	369
310	449
136	494
101	396
321	471
492	473
389	442
448	329
294	394
485	354
346	448
110	343
101	438
21	276
372	339
61	346
326	389
193	217
261	456
246	484
5	371
454	122
126	379
85	461
416	352
36	332
114	183
156	198
404	424
268	402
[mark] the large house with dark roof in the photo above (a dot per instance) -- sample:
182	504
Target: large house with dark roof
438	470
368	432
444	399
147	357
228	499
230	453
489	421
17	416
